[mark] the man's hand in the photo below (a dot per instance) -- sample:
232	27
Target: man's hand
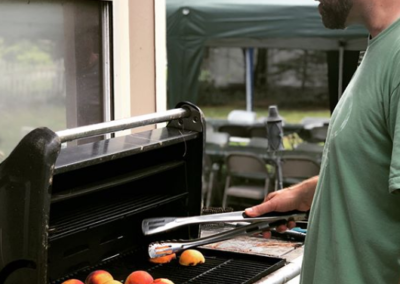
297	197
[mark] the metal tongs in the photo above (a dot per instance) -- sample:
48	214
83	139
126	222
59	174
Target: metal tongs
258	224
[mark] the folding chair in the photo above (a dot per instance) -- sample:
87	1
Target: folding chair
211	169
247	179
298	168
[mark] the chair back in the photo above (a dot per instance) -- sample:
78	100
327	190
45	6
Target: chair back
298	168
246	165
319	133
242	171
310	147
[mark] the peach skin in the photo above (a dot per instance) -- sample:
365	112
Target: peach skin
98	277
72	281
191	257
162	281
112	282
139	277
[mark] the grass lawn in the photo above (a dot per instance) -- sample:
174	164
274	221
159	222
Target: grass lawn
290	116
17	122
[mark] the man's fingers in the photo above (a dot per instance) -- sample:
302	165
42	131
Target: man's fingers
267	234
291	224
260	209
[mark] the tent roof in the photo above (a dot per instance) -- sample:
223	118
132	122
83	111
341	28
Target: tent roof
235	22
192	25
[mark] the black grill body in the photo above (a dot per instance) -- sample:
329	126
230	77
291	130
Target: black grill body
65	212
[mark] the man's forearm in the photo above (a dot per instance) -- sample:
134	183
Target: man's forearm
306	189
296	197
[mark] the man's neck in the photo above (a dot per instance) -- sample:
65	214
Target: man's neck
375	15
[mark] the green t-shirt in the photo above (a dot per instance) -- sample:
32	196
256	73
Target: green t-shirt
354	226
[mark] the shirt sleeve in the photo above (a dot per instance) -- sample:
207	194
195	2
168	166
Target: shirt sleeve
394	117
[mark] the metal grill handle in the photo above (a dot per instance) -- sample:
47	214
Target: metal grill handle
121	124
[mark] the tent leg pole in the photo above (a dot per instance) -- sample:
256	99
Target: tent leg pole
341	64
249	78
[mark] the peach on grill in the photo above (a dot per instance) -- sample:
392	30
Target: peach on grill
162	281
139	277
98	277
191	257
72	281
112	282
163	259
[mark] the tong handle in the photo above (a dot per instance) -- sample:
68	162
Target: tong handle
277	214
236	216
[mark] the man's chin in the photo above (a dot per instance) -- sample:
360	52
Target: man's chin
333	25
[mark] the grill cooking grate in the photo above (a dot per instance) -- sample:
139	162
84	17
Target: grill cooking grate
220	267
219	270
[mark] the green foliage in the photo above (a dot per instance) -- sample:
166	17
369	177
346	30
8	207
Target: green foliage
290	78
25	52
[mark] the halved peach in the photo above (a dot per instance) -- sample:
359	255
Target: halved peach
73	281
162	281
98	277
191	257
139	277
163	259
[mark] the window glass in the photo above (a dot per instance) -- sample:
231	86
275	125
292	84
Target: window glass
51	73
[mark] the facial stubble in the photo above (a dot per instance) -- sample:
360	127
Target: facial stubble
335	12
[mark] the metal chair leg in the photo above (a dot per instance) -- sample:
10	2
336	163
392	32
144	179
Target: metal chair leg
225	197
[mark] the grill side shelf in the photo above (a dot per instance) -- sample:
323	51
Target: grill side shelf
113	181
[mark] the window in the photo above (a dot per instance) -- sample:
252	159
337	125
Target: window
54	66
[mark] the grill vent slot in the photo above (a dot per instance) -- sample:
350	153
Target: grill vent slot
111	238
76	250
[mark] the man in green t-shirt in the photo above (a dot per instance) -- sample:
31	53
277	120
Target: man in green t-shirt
353	233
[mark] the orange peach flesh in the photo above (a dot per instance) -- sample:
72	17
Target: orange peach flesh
163	259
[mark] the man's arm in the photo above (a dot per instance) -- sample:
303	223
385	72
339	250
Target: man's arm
296	197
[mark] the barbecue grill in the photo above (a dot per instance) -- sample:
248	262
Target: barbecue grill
66	211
